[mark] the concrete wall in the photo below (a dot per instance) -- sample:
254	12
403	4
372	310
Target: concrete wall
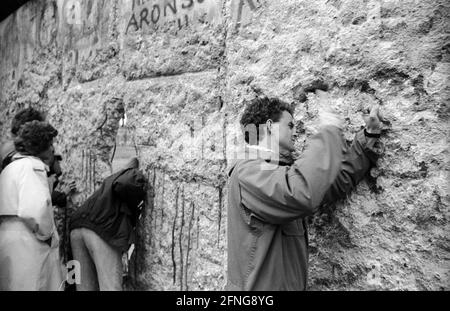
180	71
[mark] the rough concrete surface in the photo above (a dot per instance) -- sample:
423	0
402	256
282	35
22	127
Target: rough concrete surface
181	70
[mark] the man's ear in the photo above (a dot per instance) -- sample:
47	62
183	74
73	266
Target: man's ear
269	126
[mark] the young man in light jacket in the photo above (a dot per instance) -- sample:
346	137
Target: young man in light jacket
270	194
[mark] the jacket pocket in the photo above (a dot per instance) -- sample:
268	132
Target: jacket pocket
255	224
293	228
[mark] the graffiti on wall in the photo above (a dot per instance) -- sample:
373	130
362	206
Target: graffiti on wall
85	24
242	12
152	14
10	52
23	35
185	219
48	24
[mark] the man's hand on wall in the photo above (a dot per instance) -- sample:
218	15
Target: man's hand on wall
69	188
327	115
373	121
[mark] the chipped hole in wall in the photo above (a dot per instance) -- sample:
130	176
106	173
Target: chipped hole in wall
124	146
123	120
219	103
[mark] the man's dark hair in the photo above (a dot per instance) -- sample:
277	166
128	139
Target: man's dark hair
24	116
258	111
35	137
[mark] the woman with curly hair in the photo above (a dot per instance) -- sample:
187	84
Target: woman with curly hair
7	150
29	254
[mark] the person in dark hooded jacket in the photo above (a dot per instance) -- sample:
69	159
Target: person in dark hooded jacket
102	228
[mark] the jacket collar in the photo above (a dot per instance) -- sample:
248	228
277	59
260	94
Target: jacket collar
37	163
252	152
270	155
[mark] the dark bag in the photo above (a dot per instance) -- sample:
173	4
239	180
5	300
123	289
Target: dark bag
7	159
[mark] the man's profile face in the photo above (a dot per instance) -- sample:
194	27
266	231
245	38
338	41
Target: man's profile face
47	156
286	128
56	167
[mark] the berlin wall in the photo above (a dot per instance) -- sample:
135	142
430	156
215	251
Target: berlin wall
179	71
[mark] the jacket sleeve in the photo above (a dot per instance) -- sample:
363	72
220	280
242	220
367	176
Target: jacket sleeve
281	194
34	203
358	159
59	198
